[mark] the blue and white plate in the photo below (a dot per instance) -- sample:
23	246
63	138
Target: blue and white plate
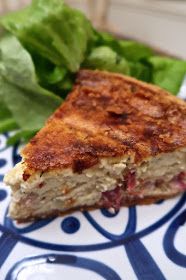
143	242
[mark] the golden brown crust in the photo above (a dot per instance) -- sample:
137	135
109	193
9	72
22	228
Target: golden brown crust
128	201
108	115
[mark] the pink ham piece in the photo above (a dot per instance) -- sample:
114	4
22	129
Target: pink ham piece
112	199
180	180
131	180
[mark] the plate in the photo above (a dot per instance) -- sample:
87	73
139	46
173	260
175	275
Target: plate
143	242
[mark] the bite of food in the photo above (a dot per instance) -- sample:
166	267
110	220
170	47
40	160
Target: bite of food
108	145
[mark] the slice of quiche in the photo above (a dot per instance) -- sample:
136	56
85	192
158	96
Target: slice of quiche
115	141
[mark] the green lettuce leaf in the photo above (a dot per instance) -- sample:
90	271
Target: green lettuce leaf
53	77
167	73
134	51
21	136
29	104
54	30
52	41
141	71
130	50
105	39
4	112
104	58
7	125
7	121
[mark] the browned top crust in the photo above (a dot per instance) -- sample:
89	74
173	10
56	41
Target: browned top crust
108	115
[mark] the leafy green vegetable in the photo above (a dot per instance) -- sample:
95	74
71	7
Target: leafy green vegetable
55	78
105	39
131	50
21	136
66	84
104	58
168	73
29	104
141	71
54	30
134	51
52	41
47	72
57	75
4	112
6	120
7	125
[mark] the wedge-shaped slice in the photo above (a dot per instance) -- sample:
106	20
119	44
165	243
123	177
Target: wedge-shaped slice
114	141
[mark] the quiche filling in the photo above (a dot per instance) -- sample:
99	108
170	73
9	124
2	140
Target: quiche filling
110	184
114	199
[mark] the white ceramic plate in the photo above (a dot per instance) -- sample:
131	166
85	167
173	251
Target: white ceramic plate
143	242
